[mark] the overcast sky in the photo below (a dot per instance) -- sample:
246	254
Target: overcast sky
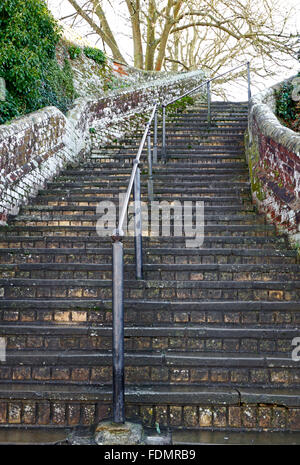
61	8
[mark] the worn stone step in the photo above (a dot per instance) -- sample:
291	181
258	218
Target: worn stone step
212	313
191	338
88	217
186	407
179	272
121	151
213	245
64	228
91	210
172	290
194	182
157	256
62	189
177	368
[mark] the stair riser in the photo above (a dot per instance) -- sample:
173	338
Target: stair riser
159	315
89	220
149	375
84	256
188	339
155	275
217	292
65	412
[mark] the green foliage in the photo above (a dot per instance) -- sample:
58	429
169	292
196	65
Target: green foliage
95	54
179	106
285	105
8	109
58	88
74	51
29	35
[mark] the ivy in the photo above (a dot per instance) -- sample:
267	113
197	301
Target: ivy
95	54
74	51
29	35
285	105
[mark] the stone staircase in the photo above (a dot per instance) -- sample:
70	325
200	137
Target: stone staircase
209	330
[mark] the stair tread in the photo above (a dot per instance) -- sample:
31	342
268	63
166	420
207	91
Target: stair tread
232	336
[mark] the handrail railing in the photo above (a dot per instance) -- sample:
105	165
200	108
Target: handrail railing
117	236
206	83
118	264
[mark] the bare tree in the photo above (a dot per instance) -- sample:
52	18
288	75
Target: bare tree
188	34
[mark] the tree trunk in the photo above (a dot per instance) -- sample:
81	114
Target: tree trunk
166	31
108	36
151	43
134	11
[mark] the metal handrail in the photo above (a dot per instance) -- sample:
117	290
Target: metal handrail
134	170
207	83
118	264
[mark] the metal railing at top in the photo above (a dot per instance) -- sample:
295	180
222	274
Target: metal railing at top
117	245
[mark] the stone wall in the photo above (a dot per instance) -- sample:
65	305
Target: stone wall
35	148
273	153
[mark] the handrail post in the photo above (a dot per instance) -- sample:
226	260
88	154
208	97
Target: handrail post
164	149
155	138
138	224
150	177
249	81
208	103
118	329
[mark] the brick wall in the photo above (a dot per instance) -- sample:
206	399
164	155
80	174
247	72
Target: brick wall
36	147
273	153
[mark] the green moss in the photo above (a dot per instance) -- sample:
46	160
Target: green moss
179	106
257	189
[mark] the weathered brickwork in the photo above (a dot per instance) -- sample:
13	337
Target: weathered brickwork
273	153
34	148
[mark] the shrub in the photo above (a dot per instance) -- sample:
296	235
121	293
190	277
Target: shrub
58	88
285	105
74	51
95	54
29	35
